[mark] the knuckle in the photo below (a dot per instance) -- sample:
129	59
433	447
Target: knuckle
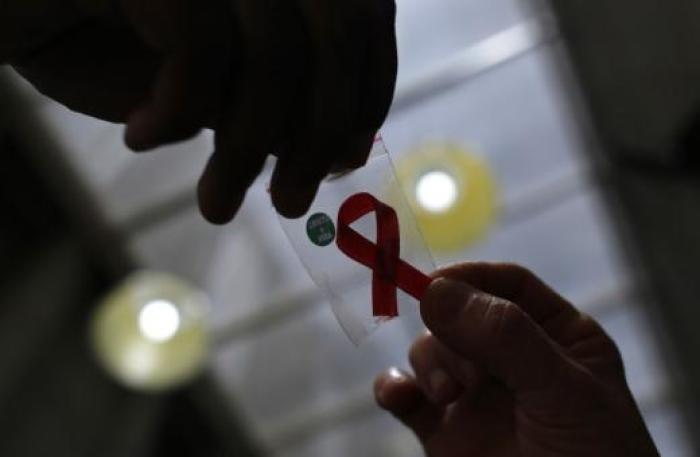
589	324
597	348
504	322
592	328
419	348
414	355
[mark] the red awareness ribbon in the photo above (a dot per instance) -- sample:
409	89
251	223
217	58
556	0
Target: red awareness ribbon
389	271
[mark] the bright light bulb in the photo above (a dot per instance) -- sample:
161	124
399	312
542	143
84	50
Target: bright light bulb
159	320
436	191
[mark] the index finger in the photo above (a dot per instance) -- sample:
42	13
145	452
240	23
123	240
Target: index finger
518	285
496	334
326	130
377	81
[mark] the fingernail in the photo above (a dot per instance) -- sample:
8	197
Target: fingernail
361	148
137	142
293	194
441	386
394	375
136	134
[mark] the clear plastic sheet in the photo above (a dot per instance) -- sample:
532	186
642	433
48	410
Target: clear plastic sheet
347	283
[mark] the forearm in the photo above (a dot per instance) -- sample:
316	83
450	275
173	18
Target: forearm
26	25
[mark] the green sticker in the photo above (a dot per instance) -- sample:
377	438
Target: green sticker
320	229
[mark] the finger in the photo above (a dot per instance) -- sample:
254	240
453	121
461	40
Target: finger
187	91
494	333
583	338
256	121
379	81
442	374
75	70
376	80
434	379
355	152
295	182
170	114
399	394
231	170
324	132
519	285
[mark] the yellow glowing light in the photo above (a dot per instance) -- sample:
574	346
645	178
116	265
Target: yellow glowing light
436	191
452	193
159	320
150	332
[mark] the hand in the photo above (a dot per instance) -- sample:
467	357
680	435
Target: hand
511	369
308	80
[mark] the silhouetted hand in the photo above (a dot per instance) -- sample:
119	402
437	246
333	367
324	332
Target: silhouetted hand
512	370
308	80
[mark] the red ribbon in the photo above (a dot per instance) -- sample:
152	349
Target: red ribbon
389	271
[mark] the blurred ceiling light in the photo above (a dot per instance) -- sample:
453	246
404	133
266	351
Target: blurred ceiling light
150	332
436	191
159	320
452	194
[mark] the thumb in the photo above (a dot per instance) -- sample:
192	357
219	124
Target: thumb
494	333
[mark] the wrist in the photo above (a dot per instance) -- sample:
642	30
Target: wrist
26	25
